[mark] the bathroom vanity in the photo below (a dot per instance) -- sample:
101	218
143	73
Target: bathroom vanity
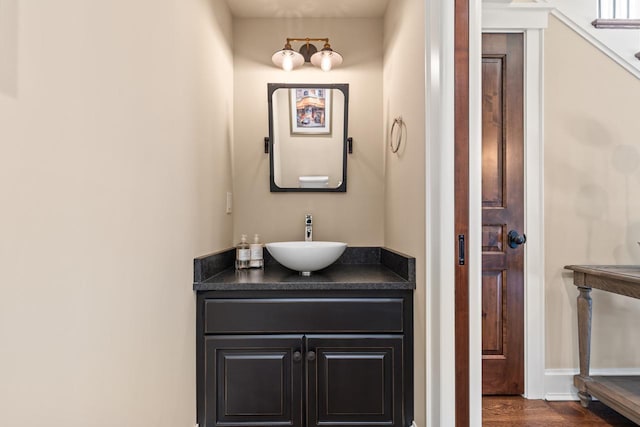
275	348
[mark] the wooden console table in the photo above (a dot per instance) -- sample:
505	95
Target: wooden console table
621	393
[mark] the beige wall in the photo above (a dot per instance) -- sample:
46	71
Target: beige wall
592	196
355	217
114	163
404	172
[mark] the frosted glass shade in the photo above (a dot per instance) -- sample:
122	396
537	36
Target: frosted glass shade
326	59
287	59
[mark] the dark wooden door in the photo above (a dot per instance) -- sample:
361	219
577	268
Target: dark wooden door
353	380
253	380
502	212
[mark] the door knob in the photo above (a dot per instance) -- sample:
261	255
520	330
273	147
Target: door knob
297	356
311	356
516	239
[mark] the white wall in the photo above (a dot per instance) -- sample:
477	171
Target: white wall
114	163
404	171
355	217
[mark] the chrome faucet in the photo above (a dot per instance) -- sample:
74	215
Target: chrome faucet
308	228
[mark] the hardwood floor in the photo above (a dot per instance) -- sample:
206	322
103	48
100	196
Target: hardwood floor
515	411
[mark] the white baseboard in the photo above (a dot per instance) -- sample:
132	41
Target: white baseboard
558	383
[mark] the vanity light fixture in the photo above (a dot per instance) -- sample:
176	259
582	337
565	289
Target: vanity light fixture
288	59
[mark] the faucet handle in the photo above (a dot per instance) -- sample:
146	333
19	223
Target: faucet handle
308	219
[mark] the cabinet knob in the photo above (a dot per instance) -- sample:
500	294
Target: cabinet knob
311	356
297	356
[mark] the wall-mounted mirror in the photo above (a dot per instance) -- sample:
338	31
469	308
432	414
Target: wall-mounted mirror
308	137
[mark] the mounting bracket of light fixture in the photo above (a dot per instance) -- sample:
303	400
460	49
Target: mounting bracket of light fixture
288	59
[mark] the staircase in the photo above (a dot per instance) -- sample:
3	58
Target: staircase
598	21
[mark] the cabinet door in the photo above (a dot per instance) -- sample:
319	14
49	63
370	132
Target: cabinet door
354	380
253	380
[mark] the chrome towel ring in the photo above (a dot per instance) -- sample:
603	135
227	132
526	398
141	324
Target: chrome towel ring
397	134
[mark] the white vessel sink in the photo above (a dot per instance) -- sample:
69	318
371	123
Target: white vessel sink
306	257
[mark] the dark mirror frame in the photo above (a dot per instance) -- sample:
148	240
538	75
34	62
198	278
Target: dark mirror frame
344	87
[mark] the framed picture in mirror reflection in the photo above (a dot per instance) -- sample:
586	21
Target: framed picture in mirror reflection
310	111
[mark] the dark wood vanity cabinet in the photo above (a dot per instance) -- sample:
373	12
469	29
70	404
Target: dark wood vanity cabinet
311	358
252	380
355	379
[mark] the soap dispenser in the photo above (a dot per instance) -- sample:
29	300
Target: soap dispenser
257	253
243	253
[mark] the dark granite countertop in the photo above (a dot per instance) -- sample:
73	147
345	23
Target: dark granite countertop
359	268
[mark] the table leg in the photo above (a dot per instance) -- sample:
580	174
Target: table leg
584	343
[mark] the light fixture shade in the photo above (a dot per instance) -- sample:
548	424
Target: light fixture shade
326	59
287	59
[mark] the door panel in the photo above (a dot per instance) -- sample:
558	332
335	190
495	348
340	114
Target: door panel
254	380
502	211
492	301
493	147
351	380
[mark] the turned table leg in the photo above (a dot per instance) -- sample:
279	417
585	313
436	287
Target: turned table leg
584	343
